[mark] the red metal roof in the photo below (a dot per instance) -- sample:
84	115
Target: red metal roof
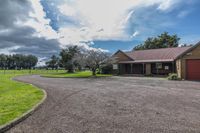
164	54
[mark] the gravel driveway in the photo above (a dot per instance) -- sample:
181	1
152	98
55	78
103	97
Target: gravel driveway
114	105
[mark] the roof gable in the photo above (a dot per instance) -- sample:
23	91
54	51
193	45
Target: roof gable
121	56
189	50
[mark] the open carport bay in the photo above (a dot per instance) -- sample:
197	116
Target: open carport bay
116	104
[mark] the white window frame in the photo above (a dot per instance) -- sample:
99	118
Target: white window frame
115	66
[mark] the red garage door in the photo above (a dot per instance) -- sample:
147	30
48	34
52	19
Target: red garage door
193	69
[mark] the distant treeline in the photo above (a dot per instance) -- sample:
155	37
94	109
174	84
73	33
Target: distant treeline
17	61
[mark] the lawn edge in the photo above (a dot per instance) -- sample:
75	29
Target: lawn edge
76	77
25	115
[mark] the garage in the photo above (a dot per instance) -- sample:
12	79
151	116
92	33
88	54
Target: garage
188	64
193	69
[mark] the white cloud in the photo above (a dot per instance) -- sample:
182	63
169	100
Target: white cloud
41	61
128	17
98	20
135	34
9	50
167	4
110	16
67	10
39	22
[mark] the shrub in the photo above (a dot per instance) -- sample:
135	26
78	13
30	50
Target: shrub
173	76
98	71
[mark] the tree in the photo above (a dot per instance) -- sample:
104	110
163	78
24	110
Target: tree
79	59
3	59
31	61
10	62
53	63
162	41
17	61
94	59
67	56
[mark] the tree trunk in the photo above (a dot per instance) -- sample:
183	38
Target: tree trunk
93	72
70	71
70	68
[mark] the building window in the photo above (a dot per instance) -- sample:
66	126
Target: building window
159	65
166	67
115	66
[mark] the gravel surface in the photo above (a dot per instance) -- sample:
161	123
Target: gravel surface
114	105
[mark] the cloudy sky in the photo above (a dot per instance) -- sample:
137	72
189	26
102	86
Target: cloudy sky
43	27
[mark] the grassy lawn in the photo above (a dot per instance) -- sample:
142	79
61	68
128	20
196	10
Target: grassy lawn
83	74
16	98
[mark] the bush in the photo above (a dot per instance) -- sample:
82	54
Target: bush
173	76
98	71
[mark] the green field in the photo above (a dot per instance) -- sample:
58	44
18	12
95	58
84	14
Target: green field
82	74
16	98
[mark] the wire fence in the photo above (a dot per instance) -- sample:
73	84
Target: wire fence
35	71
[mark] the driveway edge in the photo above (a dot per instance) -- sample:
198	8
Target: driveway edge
16	121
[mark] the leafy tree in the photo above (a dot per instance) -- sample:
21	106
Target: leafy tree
3	59
17	61
53	63
162	41
32	61
67	56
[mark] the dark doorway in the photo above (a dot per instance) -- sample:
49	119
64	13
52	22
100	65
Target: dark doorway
137	69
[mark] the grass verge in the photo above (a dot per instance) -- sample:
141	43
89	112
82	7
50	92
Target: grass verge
16	98
83	74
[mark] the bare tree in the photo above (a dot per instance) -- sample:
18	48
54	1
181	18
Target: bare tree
94	59
80	59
